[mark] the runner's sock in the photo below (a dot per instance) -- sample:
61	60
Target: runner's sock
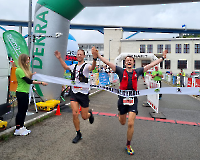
78	137
78	132
128	143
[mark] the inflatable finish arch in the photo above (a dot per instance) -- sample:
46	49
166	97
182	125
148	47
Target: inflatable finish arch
122	56
52	16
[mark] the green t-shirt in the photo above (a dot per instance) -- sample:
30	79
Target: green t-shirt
22	85
95	70
157	78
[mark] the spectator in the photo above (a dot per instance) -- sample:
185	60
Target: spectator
157	75
182	75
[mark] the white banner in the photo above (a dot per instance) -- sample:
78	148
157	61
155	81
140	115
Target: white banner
124	93
57	80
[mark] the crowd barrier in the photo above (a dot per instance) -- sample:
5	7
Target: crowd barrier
102	79
188	81
153	99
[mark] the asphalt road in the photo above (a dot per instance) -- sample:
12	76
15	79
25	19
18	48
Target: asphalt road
106	138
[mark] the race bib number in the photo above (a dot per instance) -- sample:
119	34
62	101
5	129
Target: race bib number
128	101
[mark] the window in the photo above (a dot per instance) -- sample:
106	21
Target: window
160	48
142	48
161	65
85	47
168	47
150	48
197	48
90	47
102	47
182	64
90	58
145	62
178	48
186	48
197	64
167	64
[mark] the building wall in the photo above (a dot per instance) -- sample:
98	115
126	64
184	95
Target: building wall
119	45
112	44
88	54
133	46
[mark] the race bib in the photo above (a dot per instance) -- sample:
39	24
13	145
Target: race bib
80	88
128	101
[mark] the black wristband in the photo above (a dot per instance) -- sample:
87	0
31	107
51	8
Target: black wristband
163	58
95	59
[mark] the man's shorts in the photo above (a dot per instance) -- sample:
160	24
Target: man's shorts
82	99
123	109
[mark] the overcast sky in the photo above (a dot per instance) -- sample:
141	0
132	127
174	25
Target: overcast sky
169	15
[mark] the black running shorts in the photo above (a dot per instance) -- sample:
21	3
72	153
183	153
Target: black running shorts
123	109
82	99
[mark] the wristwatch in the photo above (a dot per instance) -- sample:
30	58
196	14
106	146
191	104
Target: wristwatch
163	58
95	59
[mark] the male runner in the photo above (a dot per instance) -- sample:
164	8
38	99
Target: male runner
128	81
79	95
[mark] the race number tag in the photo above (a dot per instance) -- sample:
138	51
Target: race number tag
128	101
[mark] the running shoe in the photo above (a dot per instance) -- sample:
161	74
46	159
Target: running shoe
20	132
129	150
24	128
91	119
77	138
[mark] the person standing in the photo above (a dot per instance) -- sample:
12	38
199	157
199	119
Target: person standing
80	96
23	75
182	75
157	76
128	81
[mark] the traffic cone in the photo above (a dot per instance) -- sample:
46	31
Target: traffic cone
79	109
58	110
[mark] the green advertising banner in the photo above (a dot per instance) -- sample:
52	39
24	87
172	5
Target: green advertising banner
15	44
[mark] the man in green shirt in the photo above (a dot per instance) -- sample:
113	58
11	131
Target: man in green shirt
157	76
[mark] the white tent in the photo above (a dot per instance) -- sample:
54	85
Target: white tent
4	72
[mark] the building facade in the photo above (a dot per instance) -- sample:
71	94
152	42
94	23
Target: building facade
88	54
183	53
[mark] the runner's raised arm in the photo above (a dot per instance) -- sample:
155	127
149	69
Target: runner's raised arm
152	64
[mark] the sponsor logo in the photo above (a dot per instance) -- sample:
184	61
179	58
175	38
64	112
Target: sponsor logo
157	90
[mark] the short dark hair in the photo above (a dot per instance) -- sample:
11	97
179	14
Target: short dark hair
82	50
129	57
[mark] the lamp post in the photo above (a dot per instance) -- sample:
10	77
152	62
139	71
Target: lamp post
109	48
29	26
99	58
